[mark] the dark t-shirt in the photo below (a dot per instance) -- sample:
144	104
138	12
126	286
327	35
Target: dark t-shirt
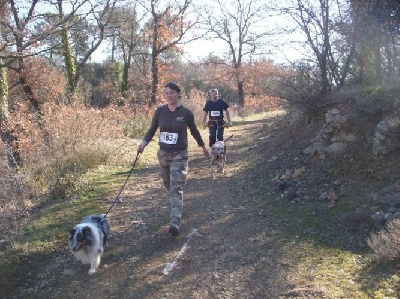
215	109
173	128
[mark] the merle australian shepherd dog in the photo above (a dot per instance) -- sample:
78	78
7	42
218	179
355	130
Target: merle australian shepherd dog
87	239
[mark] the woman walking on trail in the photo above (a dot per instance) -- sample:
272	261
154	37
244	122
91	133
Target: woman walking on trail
214	109
173	120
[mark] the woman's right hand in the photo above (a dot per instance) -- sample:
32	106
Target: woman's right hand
141	146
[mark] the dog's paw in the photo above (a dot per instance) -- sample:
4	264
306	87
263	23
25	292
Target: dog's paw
92	271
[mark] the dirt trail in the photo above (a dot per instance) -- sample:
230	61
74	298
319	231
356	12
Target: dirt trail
237	253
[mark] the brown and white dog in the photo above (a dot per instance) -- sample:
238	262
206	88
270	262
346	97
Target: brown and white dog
218	156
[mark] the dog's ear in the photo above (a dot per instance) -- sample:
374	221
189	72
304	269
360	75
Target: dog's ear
72	233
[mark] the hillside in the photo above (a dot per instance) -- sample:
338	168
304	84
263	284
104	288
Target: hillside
278	224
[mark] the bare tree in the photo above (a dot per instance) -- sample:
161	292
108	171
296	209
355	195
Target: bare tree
241	26
127	39
19	43
17	26
7	137
98	13
378	25
330	36
22	39
169	25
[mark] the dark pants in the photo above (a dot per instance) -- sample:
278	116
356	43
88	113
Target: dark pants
216	131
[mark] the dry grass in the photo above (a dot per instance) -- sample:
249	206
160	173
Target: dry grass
386	243
78	139
15	199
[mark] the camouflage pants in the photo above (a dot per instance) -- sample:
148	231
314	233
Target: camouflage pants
174	167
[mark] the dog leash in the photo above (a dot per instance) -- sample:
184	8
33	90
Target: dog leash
123	186
228	138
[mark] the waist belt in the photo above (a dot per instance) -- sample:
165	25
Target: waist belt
172	152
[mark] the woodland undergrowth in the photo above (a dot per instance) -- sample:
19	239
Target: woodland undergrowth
72	139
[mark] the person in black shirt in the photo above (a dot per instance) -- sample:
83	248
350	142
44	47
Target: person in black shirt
173	120
214	110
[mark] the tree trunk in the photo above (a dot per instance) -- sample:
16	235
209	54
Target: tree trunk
154	62
70	65
325	86
113	47
9	140
154	76
124	83
11	146
378	60
127	65
241	93
389	58
27	89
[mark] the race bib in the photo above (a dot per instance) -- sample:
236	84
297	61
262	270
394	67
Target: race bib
215	113
168	138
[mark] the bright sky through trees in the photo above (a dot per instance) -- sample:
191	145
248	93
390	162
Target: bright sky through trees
281	48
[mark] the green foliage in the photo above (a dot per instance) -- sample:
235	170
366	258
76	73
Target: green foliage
3	82
137	127
3	93
101	84
116	69
95	73
124	80
60	176
69	60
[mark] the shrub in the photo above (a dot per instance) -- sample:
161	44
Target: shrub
79	138
195	102
15	198
138	124
386	243
60	176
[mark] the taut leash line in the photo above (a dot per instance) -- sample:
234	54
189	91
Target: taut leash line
123	186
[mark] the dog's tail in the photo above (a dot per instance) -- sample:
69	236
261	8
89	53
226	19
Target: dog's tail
228	138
